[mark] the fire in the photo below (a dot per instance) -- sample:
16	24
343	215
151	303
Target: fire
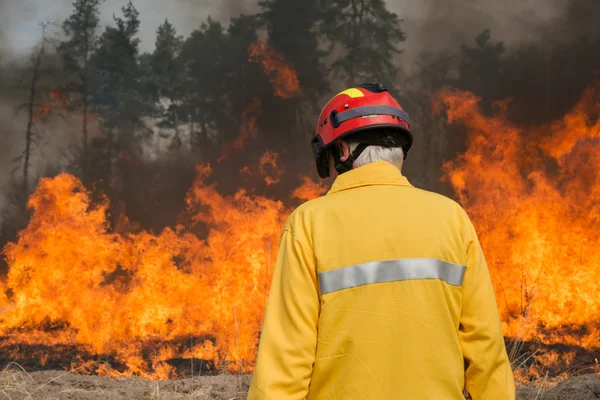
56	99
269	168
534	196
282	76
284	81
309	190
195	291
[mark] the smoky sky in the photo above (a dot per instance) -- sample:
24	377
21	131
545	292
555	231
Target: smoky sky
439	25
430	25
20	19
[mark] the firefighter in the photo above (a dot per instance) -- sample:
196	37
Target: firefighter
380	290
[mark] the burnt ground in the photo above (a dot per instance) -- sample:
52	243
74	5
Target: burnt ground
16	384
535	360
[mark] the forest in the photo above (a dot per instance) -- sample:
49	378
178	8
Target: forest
133	125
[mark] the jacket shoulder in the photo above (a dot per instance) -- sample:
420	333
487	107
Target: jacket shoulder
304	211
439	199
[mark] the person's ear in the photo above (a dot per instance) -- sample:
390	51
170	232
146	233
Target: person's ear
344	150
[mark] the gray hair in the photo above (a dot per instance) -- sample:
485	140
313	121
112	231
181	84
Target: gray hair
393	155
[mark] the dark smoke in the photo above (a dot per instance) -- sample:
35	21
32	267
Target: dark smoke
437	25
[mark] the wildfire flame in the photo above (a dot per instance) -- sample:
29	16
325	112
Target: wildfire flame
56	99
269	168
309	190
75	282
534	196
284	81
282	76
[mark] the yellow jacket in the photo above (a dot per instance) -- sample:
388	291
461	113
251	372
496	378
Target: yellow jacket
381	291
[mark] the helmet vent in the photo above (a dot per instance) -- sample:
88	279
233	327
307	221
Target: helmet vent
374	87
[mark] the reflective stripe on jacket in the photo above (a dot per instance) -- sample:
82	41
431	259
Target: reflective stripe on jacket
380	291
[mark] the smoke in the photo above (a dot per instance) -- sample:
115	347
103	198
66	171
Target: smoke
3	47
185	15
433	26
194	12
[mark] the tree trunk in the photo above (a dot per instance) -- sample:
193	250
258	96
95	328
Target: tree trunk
109	146
84	82
29	132
176	117
354	49
357	22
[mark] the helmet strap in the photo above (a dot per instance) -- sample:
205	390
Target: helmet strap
345	166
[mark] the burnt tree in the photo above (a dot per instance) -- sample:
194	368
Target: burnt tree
30	81
80	30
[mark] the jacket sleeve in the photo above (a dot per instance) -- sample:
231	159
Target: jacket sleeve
286	351
488	374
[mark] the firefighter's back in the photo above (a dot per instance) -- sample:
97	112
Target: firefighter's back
390	260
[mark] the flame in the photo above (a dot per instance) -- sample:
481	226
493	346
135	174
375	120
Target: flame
282	76
309	190
268	167
268	163
534	196
56	99
75	282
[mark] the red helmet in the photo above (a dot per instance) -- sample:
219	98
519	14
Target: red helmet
367	114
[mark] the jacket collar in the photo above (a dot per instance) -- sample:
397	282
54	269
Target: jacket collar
377	173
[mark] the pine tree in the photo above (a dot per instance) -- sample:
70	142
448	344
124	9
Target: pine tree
40	103
80	30
291	26
167	72
482	67
120	98
367	34
292	29
204	60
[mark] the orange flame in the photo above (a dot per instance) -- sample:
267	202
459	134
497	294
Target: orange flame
73	281
268	163
56	99
309	190
534	197
268	167
282	76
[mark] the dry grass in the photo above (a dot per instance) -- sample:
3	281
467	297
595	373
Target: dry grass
18	384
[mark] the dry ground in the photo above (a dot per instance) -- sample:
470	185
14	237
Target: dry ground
60	385
16	384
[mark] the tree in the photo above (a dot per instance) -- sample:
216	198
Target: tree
212	73
120	97
35	105
291	26
167	72
36	61
366	34
80	29
482	69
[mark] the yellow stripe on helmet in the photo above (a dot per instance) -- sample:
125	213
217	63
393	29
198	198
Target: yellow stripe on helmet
353	93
